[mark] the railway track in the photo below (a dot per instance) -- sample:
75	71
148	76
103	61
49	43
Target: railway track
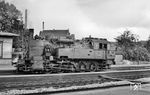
113	68
112	73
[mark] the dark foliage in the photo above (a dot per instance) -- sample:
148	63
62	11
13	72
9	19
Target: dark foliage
131	48
147	45
127	39
11	21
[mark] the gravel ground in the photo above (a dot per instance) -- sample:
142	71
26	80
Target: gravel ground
123	90
11	83
48	90
130	67
129	75
44	90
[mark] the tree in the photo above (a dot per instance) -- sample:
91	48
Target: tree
10	17
131	49
11	21
127	39
140	53
148	44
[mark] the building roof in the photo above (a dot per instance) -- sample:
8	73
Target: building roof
54	33
6	34
101	40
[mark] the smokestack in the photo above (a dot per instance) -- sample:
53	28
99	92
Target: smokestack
43	25
31	33
26	18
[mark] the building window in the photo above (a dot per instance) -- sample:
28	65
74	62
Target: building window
1	49
105	46
100	45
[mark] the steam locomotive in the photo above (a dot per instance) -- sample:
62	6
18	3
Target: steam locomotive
88	54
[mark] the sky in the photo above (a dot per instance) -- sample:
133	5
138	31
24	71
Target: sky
98	18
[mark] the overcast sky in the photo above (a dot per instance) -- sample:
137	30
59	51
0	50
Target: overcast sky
98	18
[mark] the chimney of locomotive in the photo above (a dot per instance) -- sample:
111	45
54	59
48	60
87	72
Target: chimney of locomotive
31	33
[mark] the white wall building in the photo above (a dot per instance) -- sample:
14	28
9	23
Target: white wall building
6	42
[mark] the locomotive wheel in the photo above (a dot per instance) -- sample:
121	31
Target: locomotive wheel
50	71
92	67
82	67
73	69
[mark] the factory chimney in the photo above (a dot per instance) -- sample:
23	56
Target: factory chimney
26	18
43	25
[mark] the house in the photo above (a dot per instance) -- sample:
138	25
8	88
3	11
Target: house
6	42
54	34
63	38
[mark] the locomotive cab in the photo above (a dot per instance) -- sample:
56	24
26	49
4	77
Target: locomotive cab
93	55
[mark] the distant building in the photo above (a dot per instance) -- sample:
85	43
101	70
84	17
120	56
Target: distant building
62	37
119	55
6	42
54	34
